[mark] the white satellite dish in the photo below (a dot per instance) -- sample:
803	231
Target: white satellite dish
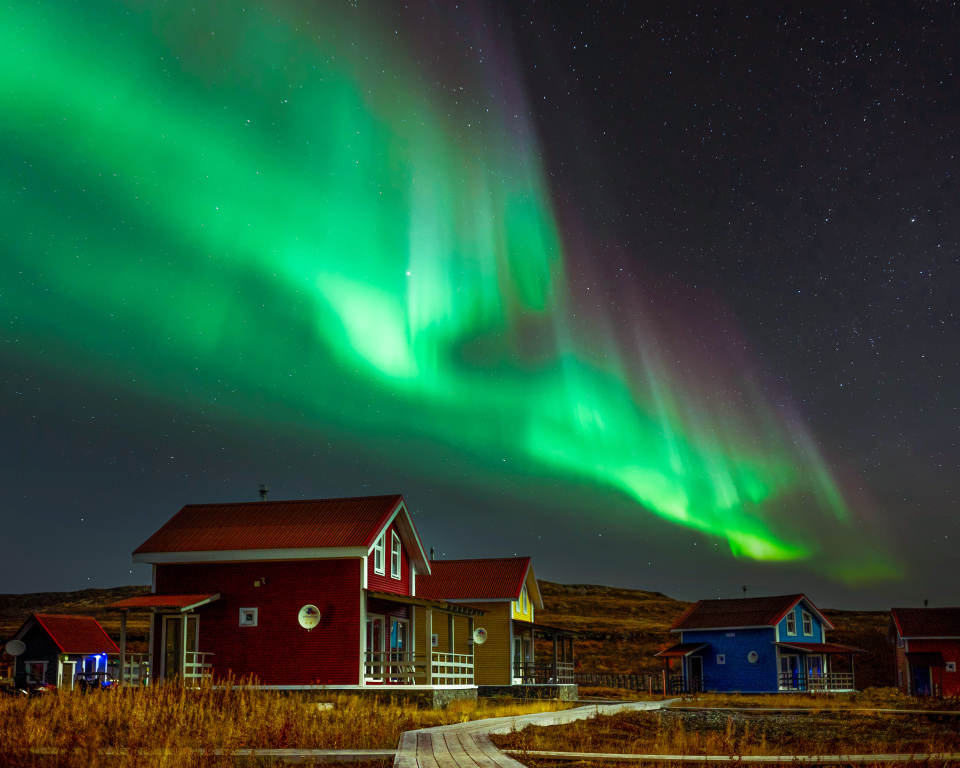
15	647
479	635
309	617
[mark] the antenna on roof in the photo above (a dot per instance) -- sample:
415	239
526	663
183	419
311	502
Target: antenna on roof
744	588
263	492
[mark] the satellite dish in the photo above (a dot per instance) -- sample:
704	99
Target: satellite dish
309	617
479	635
15	647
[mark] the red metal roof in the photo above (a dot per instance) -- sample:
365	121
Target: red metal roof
76	634
259	525
821	647
742	612
165	601
492	578
927	622
680	649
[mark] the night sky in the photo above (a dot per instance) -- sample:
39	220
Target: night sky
657	294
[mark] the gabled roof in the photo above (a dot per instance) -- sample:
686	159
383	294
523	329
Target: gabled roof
742	612
72	634
927	622
500	578
281	530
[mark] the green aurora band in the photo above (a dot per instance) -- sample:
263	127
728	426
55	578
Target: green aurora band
271	214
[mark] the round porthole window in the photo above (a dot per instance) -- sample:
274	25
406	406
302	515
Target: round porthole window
752	657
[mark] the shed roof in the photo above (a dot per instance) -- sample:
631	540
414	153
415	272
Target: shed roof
679	650
344	527
742	612
821	647
183	602
500	578
927	622
72	634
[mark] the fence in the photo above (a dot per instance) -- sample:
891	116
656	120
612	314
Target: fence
407	668
648	683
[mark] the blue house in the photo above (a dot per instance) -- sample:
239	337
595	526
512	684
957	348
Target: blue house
758	645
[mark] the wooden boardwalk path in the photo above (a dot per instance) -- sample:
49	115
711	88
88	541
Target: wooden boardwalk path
468	745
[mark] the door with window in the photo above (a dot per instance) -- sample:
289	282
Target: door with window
694	674
790	672
180	635
375	667
401	668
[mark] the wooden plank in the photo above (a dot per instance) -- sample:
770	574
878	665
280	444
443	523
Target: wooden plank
407	752
482	741
456	750
470	746
442	753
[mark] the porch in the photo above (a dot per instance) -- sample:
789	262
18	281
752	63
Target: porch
812	667
175	627
391	656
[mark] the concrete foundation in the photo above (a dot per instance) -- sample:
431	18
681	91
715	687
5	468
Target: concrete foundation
560	692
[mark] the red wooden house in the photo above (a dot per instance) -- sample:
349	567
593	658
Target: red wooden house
928	650
295	595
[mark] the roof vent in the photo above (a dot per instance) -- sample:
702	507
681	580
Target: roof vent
263	492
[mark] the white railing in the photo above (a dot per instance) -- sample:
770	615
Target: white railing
196	666
831	682
136	669
529	673
407	668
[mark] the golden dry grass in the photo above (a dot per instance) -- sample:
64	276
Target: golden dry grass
726	733
82	727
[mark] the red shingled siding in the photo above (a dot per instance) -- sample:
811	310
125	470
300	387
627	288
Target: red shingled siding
278	651
385	583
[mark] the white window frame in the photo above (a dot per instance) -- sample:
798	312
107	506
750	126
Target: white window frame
395	557
951	666
253	613
792	624
721	658
807	620
378	565
523	596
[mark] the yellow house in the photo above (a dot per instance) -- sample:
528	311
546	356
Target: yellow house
503	643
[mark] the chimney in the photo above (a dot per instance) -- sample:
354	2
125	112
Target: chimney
926	603
263	492
431	554
744	588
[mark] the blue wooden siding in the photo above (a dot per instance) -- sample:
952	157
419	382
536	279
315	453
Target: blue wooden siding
737	674
799	637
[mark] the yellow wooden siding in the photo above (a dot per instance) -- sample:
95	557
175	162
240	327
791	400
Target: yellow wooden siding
521	614
493	659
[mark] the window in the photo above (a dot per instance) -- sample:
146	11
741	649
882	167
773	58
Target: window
791	623
523	596
378	556
951	666
807	623
721	658
248	617
395	556
520	604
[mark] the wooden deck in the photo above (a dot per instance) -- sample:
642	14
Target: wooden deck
468	745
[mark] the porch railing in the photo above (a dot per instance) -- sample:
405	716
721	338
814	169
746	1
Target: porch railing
529	673
196	666
408	668
832	682
136	669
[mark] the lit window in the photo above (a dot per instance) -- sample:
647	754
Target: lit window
378	556
248	617
395	556
791	623
807	623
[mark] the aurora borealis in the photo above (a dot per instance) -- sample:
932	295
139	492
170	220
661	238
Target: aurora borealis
301	217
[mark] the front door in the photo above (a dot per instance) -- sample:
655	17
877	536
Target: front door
694	674
375	666
398	649
790	672
922	681
179	639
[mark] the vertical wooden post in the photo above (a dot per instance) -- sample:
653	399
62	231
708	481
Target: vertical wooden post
556	677
472	645
123	644
428	620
